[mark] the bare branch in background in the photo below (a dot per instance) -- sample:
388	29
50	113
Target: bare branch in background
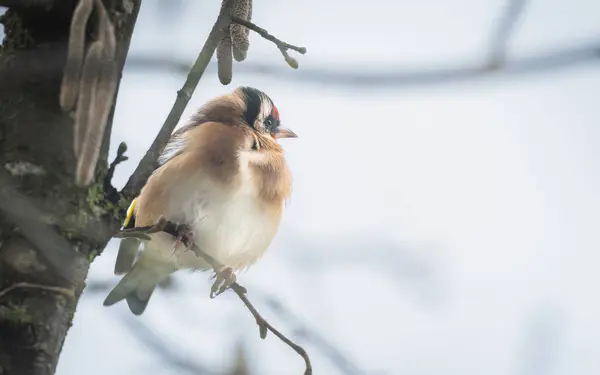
167	353
378	77
170	355
221	27
337	358
504	31
264	326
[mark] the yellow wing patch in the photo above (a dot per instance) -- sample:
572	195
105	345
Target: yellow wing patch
129	213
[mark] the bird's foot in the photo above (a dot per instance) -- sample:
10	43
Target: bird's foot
224	278
185	235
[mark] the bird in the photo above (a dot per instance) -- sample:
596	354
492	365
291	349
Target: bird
224	178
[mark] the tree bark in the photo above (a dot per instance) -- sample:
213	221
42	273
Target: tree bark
50	229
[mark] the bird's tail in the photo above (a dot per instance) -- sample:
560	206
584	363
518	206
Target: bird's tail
152	267
128	250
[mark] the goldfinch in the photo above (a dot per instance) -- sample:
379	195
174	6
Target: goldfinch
223	176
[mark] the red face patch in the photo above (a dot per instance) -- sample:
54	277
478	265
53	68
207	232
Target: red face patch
275	113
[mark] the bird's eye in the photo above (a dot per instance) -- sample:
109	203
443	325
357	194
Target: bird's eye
268	122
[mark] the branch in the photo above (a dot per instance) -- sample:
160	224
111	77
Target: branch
504	31
264	326
148	163
376	77
283	46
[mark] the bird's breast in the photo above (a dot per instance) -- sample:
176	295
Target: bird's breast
230	223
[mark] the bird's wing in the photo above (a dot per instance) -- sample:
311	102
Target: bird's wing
129	247
175	146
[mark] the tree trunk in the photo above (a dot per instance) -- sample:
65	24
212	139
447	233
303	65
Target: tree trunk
50	229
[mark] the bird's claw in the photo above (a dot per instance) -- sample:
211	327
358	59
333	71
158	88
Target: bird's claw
223	280
185	235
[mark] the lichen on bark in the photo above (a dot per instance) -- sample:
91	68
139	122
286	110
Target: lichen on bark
17	36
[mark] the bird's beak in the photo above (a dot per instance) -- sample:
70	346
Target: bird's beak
284	133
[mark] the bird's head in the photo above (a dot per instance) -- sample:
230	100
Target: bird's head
260	114
247	107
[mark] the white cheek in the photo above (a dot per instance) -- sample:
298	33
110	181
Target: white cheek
266	109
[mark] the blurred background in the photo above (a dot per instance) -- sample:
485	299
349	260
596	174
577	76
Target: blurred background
446	200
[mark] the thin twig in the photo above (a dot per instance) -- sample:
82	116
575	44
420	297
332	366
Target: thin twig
118	160
148	162
111	194
264	326
283	46
66	291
